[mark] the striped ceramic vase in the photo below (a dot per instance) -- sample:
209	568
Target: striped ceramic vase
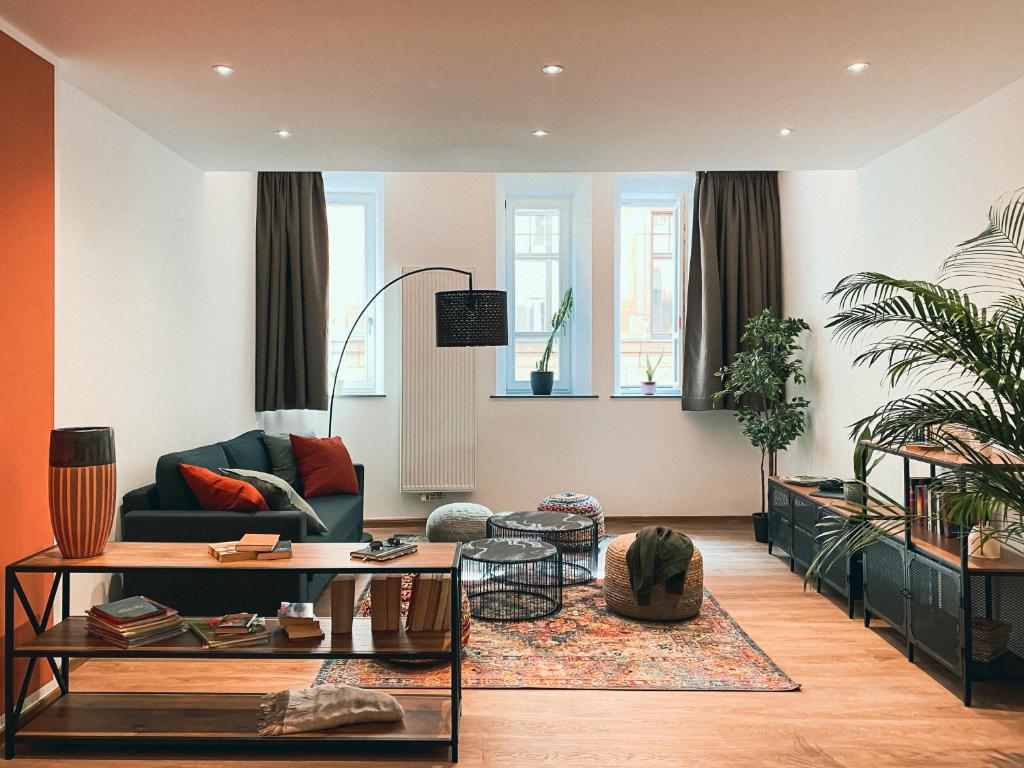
83	479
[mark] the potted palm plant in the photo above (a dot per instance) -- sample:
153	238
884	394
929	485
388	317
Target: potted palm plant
649	387
756	381
972	356
542	380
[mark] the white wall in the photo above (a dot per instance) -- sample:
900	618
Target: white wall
154	294
639	457
901	214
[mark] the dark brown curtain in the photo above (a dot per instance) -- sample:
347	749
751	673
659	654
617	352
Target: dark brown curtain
291	292
734	273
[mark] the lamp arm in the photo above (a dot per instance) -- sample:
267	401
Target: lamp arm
337	368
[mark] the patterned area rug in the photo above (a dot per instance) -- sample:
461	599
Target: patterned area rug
586	647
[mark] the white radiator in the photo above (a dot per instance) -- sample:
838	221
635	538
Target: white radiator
438	395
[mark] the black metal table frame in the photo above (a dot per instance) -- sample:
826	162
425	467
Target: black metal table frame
591	551
14	706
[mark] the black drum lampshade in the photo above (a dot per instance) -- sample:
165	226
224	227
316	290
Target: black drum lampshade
471	318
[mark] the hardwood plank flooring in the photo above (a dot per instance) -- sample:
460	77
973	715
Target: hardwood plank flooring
862	703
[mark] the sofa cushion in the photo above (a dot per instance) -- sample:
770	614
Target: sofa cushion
218	493
247	451
343	516
313	524
171	488
325	465
282	460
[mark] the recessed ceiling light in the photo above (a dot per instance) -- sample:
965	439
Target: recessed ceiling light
283	133
857	66
553	69
223	69
785	131
539	133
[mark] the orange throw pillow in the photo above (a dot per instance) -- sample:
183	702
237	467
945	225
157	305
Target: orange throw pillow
325	466
216	492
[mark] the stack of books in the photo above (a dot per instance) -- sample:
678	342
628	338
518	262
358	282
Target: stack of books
231	631
386	603
298	621
252	546
430	604
133	622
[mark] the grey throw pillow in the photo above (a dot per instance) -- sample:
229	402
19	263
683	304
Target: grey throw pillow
275	495
282	460
299	503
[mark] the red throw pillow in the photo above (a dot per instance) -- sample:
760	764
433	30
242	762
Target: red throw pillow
216	492
325	465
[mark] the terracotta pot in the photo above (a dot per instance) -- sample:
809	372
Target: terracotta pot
83	483
648	387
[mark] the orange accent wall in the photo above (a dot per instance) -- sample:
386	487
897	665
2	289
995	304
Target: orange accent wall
26	308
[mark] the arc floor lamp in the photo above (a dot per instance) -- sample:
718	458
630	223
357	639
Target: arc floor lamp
467	318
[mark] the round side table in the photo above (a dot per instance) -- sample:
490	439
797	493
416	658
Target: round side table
575	536
512	579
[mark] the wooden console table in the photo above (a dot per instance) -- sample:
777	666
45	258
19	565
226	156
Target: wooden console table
100	718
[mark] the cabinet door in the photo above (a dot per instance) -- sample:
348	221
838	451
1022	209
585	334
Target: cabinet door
934	609
779	516
835	572
885	582
803	546
805	514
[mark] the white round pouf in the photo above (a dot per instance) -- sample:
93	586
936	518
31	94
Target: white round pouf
458	522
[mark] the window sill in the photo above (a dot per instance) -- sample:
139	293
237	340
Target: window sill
359	394
528	396
657	396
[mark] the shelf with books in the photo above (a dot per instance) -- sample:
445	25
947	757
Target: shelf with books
215	718
69	638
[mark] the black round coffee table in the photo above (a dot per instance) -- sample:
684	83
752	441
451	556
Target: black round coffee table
510	579
575	536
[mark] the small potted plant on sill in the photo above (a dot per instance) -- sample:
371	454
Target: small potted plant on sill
650	386
542	380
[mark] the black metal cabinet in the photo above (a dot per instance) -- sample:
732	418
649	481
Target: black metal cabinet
885	583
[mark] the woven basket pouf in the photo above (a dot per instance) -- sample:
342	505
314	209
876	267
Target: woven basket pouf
575	504
458	522
619	597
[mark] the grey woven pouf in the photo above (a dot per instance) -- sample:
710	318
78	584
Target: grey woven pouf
458	522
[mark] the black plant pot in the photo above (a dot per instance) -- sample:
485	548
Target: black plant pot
760	527
541	382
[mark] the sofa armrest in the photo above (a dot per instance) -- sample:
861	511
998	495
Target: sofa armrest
141	498
210	527
360	474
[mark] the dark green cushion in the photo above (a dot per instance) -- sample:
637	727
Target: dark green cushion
282	460
343	516
247	451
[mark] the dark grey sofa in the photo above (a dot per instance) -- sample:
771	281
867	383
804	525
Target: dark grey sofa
167	510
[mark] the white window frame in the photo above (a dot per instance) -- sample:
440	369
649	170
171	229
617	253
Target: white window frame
678	204
564	383
369	201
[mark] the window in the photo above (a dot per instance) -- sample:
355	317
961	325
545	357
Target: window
352	231
648	287
538	270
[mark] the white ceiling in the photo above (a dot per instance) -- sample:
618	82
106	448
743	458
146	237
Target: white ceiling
456	85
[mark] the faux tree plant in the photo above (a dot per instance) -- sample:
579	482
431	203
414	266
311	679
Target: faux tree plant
756	379
963	360
542	379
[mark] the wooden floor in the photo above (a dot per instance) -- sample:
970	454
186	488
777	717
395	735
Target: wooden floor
862	703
